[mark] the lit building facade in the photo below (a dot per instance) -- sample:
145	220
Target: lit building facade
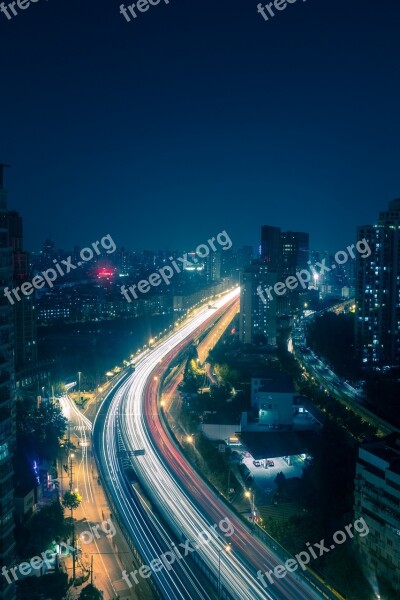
7	404
377	326
377	500
257	317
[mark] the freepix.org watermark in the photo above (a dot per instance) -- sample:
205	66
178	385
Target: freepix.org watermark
304	276
166	273
268	11
10	11
50	275
304	557
139	7
47	557
167	559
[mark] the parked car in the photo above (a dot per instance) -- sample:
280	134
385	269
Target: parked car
270	463
256	463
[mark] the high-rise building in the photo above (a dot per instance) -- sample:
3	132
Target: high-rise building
295	252
7	403
213	267
24	310
377	501
257	317
271	247
377	324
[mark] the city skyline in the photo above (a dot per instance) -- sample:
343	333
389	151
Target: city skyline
200	300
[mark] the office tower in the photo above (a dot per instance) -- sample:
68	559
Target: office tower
271	247
244	256
295	252
213	267
7	403
295	255
377	501
377	324
233	261
257	317
47	254
24	310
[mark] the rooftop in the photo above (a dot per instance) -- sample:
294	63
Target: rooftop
388	448
274	381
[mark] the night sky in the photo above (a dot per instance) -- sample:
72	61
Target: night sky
199	116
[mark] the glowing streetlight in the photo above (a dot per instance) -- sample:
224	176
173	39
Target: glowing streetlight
249	494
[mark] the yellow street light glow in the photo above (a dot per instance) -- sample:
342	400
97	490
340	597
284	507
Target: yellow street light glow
228	547
189	439
247	494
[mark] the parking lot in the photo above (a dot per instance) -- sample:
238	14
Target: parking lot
265	477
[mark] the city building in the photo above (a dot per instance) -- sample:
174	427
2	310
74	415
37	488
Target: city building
7	403
257	323
213	267
377	325
295	252
295	255
271	248
25	338
377	501
272	395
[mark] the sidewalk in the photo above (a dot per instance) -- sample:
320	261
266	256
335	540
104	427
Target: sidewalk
110	553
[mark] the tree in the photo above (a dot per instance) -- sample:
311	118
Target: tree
280	481
72	500
40	428
52	586
90	592
46	525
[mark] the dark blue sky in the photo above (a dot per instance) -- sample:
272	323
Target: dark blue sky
199	116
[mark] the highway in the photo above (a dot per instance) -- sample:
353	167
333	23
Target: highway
344	392
184	500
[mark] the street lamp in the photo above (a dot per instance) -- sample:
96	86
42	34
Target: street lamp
227	549
79	385
249	494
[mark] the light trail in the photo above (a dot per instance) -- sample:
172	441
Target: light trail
187	504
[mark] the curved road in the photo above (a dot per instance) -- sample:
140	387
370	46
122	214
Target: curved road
189	506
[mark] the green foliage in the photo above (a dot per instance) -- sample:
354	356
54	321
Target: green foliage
45	526
230	377
193	376
71	500
383	392
328	490
40	429
90	592
53	586
332	336
280	482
